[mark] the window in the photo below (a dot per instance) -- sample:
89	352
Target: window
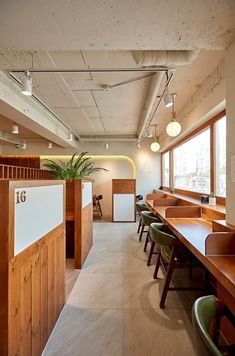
192	164
220	157
166	169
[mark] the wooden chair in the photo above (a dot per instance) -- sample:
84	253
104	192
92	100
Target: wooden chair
171	255
207	313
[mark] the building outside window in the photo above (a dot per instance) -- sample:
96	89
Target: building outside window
220	157
166	169
192	164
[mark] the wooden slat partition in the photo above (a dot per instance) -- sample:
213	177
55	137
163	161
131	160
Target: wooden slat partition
32	281
16	172
22	161
165	202
183	212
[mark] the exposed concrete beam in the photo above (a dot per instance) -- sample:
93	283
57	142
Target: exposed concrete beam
28	113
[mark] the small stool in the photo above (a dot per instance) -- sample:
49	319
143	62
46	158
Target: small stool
139	209
96	204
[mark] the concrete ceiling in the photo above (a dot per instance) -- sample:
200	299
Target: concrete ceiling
101	34
116	25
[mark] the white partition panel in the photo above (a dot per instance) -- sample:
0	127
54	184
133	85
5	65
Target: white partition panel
38	210
86	193
123	207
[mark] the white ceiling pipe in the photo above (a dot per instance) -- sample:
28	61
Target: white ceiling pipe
152	94
164	58
107	139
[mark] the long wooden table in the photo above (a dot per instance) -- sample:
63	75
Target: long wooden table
193	233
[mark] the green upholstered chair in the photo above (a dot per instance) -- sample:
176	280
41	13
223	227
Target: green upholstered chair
171	255
147	219
139	209
206	317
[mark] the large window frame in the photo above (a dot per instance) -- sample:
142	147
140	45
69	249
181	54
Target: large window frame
210	124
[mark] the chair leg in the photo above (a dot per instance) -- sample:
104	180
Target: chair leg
146	242
158	263
138	230
141	233
151	253
168	278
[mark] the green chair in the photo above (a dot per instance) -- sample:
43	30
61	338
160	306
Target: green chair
159	226
207	312
171	255
147	219
139	209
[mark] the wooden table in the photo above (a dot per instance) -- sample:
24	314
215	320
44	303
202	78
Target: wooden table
193	233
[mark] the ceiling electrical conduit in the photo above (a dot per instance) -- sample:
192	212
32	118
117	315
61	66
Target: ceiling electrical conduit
166	59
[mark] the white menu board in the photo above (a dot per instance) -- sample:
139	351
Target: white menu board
38	210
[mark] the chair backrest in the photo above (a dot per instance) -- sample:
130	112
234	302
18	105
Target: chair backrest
141	207
160	237
148	217
203	313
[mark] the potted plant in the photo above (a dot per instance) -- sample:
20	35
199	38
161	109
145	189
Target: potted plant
79	167
212	199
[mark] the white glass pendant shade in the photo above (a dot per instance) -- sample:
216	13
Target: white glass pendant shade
173	128
26	86
155	146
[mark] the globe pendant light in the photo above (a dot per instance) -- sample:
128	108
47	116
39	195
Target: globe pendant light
155	145
173	128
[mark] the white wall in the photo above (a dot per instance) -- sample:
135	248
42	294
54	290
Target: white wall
230	99
148	175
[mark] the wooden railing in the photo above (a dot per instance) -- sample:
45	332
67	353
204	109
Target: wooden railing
16	172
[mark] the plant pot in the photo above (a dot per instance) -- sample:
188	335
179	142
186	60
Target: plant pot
212	201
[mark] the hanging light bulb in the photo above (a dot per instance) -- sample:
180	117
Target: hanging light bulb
15	129
149	132
155	145
26	84
173	128
167	98
49	145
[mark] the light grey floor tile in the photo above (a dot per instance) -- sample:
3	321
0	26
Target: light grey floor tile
97	290
87	332
157	332
104	263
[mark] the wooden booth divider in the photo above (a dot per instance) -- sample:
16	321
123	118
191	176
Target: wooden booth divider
79	220
32	263
17	172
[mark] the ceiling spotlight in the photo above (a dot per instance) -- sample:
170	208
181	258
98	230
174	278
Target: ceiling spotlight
26	84
149	132
167	98
155	145
138	144
70	136
106	145
24	146
15	129
49	145
173	128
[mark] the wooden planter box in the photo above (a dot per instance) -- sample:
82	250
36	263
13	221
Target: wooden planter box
79	220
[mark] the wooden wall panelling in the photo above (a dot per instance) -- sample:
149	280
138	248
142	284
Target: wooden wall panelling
32	283
123	186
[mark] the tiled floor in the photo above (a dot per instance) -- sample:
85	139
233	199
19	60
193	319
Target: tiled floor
113	309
